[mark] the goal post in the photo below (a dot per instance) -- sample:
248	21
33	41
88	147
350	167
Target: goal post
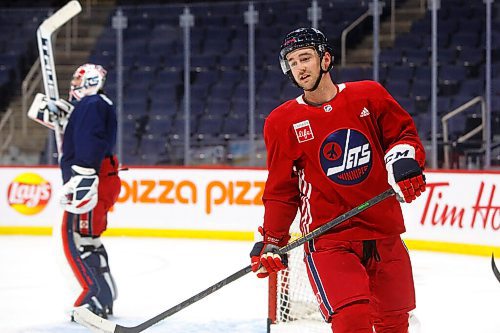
292	305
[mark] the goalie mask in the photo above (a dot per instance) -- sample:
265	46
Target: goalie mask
300	38
87	80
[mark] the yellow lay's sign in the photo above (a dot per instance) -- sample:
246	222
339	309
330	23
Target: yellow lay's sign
29	193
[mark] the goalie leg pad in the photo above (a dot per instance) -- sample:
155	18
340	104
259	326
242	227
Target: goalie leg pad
88	260
96	259
80	269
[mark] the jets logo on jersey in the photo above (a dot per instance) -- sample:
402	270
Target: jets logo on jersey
346	157
303	131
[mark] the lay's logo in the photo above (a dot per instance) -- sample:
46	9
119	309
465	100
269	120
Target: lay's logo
29	193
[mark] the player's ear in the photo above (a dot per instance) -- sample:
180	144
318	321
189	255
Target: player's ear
327	59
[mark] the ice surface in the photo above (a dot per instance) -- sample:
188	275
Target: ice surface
455	293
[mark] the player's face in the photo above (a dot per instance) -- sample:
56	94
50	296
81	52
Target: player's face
76	81
304	64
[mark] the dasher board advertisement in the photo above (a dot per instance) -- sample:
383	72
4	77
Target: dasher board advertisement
457	207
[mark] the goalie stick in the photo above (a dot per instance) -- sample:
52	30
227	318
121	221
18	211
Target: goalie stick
44	36
95	323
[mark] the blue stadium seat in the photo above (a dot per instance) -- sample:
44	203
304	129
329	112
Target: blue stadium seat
269	89
159	127
345	74
399	73
265	106
452	73
462	40
421	88
209	126
218	108
423	73
391	57
162	109
203	62
240	108
177	127
290	91
205	78
230	61
408	104
240	92
221	91
235	127
471	88
398	88
443	105
408	41
231	77
149	61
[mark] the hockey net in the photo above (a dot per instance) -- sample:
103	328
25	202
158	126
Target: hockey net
292	303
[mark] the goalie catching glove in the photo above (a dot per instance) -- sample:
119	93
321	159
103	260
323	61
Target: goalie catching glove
264	256
79	194
49	113
404	173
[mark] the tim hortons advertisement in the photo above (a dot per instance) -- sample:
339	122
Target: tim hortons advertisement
457	207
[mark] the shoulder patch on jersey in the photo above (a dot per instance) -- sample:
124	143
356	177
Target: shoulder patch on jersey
106	99
303	131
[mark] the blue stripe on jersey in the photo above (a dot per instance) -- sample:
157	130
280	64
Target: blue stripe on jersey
317	281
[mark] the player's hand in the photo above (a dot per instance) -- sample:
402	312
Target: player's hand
405	175
59	111
79	194
264	256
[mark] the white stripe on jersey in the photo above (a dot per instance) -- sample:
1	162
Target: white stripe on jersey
305	207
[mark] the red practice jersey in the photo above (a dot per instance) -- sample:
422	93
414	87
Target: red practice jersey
325	160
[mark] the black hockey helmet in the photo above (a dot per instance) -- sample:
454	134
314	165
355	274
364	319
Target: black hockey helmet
304	37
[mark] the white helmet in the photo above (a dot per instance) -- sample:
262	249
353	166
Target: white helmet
87	80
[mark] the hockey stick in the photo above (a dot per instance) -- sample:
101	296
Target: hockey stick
97	324
44	36
494	267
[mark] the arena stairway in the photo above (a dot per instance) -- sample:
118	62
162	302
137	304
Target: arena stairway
406	13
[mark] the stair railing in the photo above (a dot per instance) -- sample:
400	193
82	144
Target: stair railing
349	29
7	120
468	135
31	83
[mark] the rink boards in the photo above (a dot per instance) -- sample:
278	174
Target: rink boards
459	212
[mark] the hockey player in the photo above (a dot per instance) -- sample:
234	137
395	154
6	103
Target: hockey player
91	186
329	150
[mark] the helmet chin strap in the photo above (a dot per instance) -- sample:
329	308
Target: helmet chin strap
316	84
320	76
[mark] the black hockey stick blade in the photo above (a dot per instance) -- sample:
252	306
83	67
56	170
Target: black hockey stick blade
97	324
494	267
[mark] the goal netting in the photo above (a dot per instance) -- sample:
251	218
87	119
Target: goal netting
292	303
